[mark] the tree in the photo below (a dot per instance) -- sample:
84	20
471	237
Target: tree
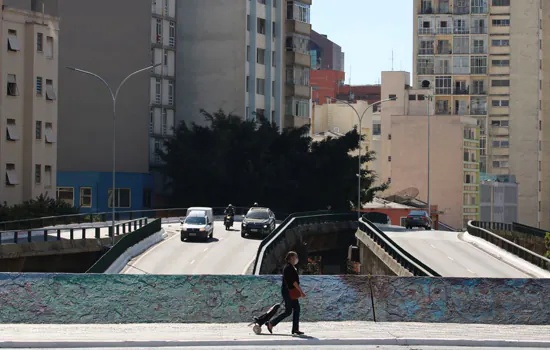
238	161
41	206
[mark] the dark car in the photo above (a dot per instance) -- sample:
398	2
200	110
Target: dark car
418	218
258	221
377	218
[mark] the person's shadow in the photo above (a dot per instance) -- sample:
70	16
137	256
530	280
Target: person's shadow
290	335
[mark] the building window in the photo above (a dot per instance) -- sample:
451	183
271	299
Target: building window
261	2
500	103
85	197
164	121
501	83
478	64
47	176
158	91
38	130
165	60
297	43
260	56
376	129
248	23
261	26
298	11
166	8
39	42
11	175
11	130
248	53
172	35
500	164
501	23
13	43
122	198
66	194
48	132
500	123
443	85
273	88
260	86
37	174
500	42
39	86
50	91
147	198
501	2
170	92
273	64
297	108
159	31
501	144
500	63
247	83
49	47
12	85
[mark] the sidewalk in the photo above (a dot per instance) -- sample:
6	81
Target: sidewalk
320	334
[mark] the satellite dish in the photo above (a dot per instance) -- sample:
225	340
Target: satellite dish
408	193
425	84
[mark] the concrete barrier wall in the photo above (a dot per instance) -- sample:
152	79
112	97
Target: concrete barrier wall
33	298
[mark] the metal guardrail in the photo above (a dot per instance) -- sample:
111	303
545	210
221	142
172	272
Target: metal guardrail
480	229
83	218
444	227
513	227
125	242
293	220
404	258
73	232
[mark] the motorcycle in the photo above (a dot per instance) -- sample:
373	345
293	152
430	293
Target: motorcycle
228	222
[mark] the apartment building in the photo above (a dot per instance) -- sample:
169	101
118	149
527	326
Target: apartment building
325	54
28	103
454	151
255	60
485	59
105	38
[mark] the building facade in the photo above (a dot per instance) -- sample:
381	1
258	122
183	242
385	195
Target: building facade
325	54
454	151
112	50
28	103
254	61
498	199
486	59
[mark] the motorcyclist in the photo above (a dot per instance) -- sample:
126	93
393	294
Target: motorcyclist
230	210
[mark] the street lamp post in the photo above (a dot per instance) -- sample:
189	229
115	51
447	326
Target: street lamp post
360	119
429	99
114	96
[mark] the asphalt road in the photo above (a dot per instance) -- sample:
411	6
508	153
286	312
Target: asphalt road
325	347
450	256
226	254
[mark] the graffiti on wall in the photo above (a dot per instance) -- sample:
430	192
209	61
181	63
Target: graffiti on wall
51	298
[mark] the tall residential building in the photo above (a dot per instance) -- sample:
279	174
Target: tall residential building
255	60
104	37
485	59
28	103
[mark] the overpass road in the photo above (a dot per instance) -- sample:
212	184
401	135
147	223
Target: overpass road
449	255
226	254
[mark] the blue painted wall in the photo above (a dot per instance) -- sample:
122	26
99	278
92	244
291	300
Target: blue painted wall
101	182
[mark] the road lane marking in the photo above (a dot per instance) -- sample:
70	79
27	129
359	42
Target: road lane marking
450	258
192	262
433	246
248	266
471	271
153	248
205	249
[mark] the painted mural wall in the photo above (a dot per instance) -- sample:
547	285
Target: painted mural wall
34	298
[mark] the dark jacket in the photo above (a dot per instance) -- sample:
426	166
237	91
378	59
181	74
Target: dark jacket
290	275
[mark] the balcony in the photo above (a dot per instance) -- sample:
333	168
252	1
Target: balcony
479	92
478	111
461	91
426	51
445	50
479	30
297	58
298	27
461	10
299	91
426	31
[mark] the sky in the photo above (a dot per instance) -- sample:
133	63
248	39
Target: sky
367	31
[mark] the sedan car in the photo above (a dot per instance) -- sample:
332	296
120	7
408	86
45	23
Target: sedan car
258	221
418	218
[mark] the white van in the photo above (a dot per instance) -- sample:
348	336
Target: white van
198	223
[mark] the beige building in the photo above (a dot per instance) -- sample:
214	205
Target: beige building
486	59
28	104
454	155
337	119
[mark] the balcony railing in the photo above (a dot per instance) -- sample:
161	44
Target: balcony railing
461	91
461	10
479	92
479	30
461	30
445	30
444	51
426	51
426	31
478	49
478	111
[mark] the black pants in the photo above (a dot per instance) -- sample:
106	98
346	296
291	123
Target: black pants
291	307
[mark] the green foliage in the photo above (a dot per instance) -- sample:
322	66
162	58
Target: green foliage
241	162
35	208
